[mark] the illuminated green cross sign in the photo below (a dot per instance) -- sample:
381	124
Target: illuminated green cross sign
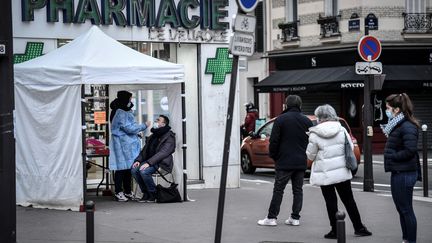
33	50
219	66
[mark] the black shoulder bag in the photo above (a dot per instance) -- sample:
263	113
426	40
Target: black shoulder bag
167	194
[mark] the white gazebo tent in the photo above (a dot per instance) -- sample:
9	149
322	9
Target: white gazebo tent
48	103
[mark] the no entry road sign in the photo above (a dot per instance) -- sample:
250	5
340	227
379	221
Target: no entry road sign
369	48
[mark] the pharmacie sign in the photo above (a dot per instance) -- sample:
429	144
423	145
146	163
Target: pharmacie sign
164	20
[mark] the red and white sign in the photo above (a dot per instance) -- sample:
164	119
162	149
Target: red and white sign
369	48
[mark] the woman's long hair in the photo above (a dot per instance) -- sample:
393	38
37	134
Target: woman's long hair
403	102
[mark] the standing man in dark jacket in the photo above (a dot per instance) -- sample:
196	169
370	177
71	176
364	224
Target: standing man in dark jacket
156	153
288	142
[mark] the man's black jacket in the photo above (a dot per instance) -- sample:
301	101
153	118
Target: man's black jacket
288	140
164	150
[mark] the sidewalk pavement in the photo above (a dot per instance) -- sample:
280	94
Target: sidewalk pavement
195	221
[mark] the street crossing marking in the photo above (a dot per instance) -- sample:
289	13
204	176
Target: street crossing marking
381	185
257	181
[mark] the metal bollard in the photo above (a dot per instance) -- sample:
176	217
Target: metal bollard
340	227
425	162
90	221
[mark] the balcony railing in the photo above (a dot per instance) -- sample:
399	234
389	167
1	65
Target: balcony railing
289	31
329	26
417	23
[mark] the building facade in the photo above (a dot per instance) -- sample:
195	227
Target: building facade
192	33
312	51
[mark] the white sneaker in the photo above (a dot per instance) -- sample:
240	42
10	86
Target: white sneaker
267	222
129	195
121	197
291	221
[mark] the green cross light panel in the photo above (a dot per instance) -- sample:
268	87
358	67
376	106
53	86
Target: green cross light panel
219	66
33	50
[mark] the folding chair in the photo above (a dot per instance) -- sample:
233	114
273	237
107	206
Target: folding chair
159	173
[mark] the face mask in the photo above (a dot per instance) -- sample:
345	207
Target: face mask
155	125
129	104
389	114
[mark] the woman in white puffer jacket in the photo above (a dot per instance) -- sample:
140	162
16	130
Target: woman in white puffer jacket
326	150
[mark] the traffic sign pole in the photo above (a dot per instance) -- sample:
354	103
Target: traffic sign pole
244	7
369	49
368	182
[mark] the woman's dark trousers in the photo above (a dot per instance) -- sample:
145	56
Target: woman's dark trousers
402	185
281	180
347	198
123	181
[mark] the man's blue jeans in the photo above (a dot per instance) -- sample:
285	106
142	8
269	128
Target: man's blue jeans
144	178
402	186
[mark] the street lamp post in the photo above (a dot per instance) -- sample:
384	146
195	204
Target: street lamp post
7	140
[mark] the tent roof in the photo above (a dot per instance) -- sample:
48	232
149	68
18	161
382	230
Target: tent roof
96	58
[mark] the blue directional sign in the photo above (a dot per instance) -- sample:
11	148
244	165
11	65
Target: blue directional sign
247	5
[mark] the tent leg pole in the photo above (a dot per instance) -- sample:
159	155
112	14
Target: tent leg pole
84	154
184	146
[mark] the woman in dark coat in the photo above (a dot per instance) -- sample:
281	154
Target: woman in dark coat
402	160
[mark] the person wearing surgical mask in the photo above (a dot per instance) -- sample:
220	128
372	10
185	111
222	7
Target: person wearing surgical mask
401	159
157	153
125	143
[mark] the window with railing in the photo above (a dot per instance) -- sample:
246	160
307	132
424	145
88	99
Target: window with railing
416	18
289	31
417	23
329	26
289	28
329	23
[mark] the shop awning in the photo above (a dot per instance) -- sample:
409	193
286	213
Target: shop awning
344	77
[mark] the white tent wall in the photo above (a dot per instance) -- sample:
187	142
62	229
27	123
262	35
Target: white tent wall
48	112
49	170
175	110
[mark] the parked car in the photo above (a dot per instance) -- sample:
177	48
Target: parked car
255	147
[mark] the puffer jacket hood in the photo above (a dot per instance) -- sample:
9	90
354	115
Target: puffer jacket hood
327	129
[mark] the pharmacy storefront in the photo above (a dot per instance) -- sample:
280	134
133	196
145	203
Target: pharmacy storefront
189	32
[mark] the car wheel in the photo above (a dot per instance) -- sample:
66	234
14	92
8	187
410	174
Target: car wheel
246	164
